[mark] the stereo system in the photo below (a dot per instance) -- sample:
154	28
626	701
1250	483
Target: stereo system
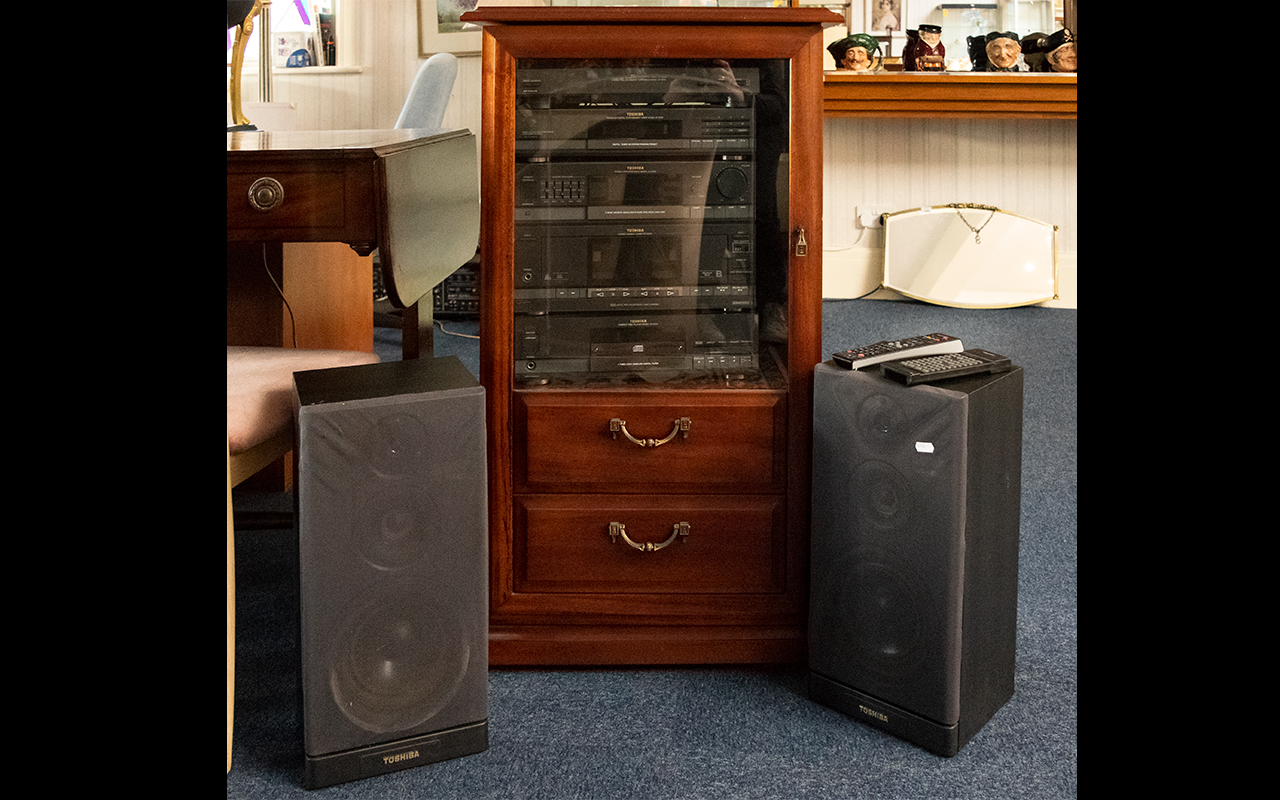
636	129
626	343
635	266
626	86
636	220
638	241
611	191
458	295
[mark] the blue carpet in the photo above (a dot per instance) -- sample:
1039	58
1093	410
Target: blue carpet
736	733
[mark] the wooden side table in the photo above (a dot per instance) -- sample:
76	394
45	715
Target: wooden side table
310	207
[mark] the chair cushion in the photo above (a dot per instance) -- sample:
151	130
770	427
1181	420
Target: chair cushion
260	388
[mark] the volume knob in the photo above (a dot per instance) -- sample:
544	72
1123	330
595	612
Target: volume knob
265	194
732	183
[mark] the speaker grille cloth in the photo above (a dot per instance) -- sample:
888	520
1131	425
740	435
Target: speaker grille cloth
393	534
889	468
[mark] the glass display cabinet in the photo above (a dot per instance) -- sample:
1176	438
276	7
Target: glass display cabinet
650	321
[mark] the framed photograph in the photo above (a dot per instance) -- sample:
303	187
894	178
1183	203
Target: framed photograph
883	16
441	31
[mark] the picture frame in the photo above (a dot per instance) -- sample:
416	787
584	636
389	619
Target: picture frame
440	31
881	16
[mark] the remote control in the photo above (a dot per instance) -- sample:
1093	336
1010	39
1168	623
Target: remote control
947	365
897	349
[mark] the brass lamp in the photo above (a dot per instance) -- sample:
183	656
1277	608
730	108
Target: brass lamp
240	14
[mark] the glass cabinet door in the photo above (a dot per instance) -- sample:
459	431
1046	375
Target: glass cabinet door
650	241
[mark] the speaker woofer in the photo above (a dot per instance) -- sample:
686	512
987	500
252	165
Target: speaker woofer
887	619
397	662
882	615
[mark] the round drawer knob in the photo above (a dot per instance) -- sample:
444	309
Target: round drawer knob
266	194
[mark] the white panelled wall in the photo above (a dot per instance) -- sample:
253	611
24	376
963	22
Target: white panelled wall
1027	167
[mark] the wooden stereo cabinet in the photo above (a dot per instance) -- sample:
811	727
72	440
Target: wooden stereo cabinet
650	320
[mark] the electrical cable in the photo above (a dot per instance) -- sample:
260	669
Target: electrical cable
292	324
451	333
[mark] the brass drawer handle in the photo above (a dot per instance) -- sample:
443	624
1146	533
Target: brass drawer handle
266	194
681	426
616	529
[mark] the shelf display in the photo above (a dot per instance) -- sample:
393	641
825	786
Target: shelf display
855	53
924	51
1053	53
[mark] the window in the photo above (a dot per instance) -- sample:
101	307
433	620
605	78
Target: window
296	25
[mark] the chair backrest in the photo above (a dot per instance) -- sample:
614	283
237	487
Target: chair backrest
429	96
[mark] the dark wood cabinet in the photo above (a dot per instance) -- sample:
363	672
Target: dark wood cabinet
649	435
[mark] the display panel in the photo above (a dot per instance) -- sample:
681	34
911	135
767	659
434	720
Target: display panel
649	242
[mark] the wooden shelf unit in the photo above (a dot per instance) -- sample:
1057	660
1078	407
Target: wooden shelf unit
735	589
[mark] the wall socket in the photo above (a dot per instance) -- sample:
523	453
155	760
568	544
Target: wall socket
868	216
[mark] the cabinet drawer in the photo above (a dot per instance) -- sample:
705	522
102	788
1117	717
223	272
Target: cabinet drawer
587	441
732	544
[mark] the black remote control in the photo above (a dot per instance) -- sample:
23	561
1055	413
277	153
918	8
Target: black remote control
930	369
926	345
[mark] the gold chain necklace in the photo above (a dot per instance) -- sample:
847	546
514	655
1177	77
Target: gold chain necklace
977	232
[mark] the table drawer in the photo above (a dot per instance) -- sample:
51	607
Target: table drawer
298	200
649	442
682	544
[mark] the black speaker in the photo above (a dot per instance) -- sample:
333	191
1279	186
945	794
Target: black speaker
914	572
393	567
